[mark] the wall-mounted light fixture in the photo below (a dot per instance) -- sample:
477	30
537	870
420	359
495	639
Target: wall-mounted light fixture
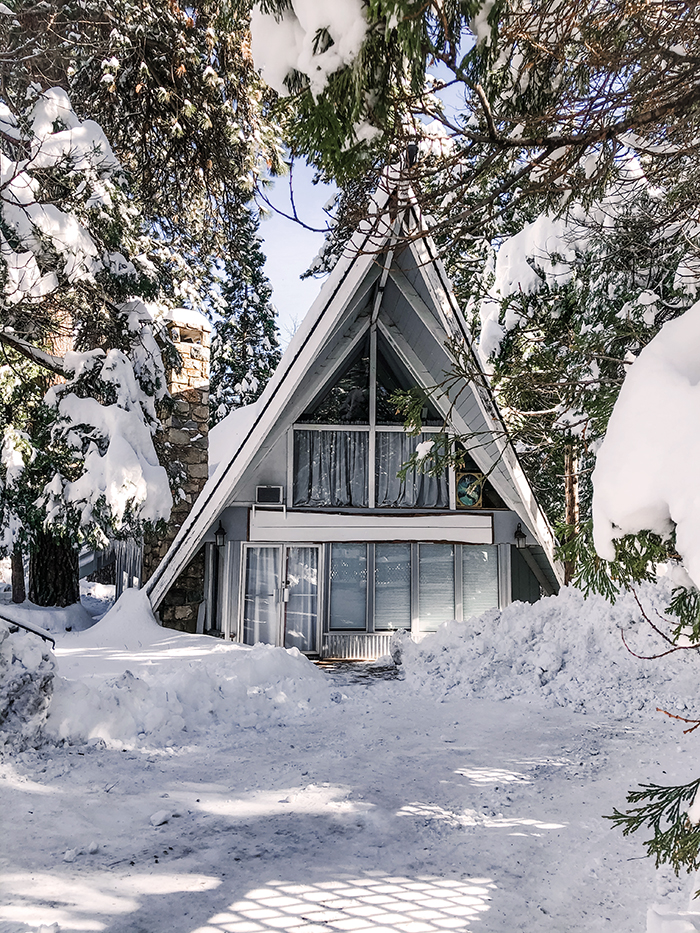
520	538
220	535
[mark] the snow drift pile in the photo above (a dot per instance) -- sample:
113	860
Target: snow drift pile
26	685
172	685
564	650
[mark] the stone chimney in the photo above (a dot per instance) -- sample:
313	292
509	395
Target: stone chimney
187	446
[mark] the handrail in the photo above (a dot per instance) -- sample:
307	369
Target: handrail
28	628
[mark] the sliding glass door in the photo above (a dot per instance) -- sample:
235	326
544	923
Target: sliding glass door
261	607
281	596
301	599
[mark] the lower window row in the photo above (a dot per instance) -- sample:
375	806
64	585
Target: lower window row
388	585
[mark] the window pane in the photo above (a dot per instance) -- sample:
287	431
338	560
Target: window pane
330	468
348	586
436	585
301	613
419	490
392	586
261	612
348	401
392	377
479	578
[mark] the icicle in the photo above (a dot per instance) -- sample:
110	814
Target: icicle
129	561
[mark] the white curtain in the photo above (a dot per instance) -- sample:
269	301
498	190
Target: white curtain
392	586
479	578
262	590
418	490
348	603
436	585
302	606
330	468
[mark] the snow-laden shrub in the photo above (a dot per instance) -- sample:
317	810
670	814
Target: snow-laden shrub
26	686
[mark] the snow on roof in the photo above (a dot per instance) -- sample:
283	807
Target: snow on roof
226	436
187	317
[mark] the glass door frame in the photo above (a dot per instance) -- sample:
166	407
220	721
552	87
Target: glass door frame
283	549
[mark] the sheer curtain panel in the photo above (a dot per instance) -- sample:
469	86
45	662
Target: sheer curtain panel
479	579
348	601
261	614
392	586
436	585
418	490
330	468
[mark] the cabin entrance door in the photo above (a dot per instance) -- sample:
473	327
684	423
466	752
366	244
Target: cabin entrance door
281	605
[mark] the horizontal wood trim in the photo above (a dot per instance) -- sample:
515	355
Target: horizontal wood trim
461	528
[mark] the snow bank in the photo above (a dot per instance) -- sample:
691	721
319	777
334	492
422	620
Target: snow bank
26	685
172	685
52	619
646	469
564	650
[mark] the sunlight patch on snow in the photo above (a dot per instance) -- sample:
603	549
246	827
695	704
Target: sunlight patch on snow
372	902
493	776
310	799
49	898
432	812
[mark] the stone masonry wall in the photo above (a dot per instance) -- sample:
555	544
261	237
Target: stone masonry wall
187	436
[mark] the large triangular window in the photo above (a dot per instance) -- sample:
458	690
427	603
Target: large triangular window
347	402
392	377
348	455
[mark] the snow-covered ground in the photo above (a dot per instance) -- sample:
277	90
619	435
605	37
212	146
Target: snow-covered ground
219	789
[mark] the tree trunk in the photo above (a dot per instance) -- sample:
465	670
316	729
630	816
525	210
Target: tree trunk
19	593
571	514
53	571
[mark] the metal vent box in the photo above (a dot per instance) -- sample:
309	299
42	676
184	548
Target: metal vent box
269	495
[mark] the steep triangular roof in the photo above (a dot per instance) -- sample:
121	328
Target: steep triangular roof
401	285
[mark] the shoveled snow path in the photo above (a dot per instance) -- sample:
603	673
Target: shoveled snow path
385	811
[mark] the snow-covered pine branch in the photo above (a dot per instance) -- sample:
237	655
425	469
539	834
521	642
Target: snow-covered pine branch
73	277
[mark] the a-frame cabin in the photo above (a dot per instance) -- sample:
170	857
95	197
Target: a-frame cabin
320	545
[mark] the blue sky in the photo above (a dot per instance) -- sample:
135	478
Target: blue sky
289	247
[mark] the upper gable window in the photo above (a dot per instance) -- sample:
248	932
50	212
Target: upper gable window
391	377
347	402
347	455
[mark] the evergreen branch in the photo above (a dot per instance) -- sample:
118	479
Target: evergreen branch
46	360
493	135
675	839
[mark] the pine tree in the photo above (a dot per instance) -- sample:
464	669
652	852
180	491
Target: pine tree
531	103
188	117
245	347
83	373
